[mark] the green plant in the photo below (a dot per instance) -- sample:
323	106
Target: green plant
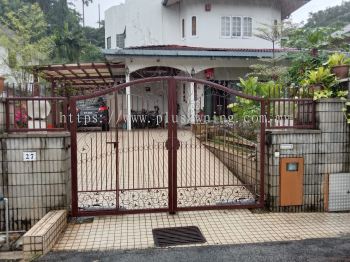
344	95
270	89
321	77
338	59
302	62
249	86
267	71
319	94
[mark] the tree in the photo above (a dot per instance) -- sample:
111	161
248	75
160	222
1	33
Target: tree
95	36
85	3
25	38
310	38
333	16
272	34
68	45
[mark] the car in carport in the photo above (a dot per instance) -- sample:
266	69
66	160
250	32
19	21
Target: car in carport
93	113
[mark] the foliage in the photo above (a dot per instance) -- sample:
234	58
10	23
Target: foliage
25	38
271	33
337	59
90	53
95	36
249	86
68	45
300	63
337	15
319	94
268	70
244	108
320	77
311	38
72	42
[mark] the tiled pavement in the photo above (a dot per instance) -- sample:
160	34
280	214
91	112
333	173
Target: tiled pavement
218	227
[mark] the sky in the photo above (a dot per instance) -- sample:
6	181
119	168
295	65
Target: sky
91	12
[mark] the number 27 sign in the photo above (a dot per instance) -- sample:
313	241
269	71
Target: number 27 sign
29	156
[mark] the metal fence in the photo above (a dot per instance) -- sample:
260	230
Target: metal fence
49	112
291	113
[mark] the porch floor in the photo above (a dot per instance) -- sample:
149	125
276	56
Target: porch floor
218	227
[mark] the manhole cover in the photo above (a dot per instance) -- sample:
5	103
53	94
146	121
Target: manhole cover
81	220
177	236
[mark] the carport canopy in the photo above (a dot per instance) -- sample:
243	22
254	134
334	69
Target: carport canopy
83	76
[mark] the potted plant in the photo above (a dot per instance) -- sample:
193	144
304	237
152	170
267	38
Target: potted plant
339	65
319	79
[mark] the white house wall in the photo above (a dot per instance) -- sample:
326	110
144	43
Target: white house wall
148	22
115	21
157	96
4	69
209	23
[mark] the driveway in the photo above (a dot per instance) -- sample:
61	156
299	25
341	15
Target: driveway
141	158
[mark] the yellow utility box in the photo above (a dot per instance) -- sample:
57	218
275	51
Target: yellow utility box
291	181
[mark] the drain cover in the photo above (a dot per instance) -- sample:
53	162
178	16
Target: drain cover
177	236
81	220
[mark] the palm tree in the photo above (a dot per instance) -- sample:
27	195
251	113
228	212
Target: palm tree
85	3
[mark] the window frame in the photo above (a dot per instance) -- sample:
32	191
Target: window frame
109	42
231	27
251	27
183	28
116	40
194	26
221	24
242	26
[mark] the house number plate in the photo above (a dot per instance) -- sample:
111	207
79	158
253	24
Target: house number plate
29	156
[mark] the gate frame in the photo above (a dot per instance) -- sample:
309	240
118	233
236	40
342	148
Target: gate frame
172	146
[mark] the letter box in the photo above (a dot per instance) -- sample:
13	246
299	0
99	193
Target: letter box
291	181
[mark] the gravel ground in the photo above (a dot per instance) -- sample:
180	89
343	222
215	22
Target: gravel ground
333	249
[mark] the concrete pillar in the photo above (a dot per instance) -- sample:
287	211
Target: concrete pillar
128	102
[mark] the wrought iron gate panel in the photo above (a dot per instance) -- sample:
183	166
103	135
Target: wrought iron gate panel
170	165
217	157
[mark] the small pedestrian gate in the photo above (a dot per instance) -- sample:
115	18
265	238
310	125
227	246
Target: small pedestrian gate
165	150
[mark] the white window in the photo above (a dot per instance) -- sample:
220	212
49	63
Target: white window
225	26
236	26
247	26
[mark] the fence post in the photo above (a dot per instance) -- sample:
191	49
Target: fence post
268	118
262	153
74	169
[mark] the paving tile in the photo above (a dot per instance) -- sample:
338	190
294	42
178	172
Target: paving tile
218	227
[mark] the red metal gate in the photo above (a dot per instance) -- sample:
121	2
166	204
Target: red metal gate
130	152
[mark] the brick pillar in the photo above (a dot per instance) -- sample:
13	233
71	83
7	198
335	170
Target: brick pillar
325	150
335	136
